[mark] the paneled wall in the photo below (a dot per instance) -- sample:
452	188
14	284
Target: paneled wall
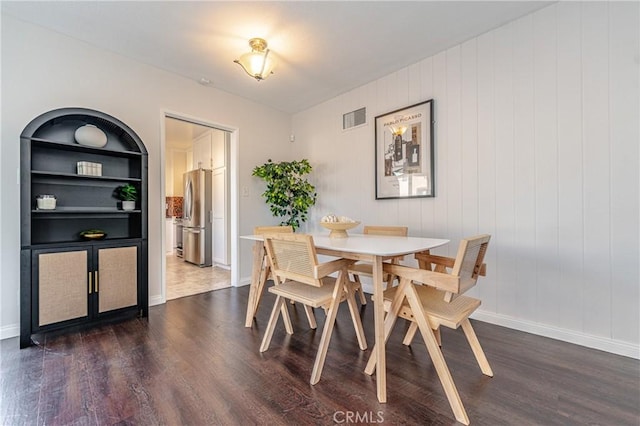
537	136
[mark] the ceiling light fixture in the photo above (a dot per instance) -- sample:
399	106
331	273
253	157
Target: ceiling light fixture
258	63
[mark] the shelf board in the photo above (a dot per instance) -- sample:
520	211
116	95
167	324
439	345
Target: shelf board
81	148
77	176
108	240
84	210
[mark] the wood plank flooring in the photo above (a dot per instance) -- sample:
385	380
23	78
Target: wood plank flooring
193	363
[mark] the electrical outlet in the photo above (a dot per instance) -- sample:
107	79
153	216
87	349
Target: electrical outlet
245	191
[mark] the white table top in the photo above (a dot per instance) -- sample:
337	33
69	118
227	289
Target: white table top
377	245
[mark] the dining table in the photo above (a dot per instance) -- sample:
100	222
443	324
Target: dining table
374	249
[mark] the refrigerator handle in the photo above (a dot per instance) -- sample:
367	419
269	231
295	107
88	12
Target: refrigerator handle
187	199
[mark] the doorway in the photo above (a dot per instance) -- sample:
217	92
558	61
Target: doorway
191	144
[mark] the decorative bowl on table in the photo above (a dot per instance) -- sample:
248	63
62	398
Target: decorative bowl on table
338	226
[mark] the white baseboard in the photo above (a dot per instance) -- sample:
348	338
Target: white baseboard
244	281
608	345
156	300
617	347
9	331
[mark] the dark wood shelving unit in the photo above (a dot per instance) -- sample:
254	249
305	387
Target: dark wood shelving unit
67	280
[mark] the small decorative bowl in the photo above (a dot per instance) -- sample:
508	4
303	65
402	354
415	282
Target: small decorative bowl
93	235
339	229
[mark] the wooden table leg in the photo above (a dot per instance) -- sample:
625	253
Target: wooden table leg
378	318
264	274
254	287
389	322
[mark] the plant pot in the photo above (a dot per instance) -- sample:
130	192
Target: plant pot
128	205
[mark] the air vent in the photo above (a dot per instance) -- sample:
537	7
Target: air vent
354	118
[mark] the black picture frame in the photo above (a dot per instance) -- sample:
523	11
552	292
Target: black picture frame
404	152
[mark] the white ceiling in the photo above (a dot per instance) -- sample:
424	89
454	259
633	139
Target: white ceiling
180	134
323	48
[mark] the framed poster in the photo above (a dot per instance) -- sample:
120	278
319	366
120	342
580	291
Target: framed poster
404	153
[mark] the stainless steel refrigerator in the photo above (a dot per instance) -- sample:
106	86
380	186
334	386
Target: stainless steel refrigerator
197	218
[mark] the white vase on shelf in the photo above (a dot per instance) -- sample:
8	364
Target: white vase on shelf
90	135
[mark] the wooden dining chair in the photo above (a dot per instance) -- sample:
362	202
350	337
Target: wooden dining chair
470	268
432	299
299	277
262	268
265	230
366	269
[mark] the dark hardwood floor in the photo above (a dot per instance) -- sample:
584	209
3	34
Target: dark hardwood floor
193	363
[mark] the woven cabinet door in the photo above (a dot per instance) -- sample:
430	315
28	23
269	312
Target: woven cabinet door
118	278
62	286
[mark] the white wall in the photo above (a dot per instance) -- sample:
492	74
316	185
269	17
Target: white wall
43	70
175	166
537	136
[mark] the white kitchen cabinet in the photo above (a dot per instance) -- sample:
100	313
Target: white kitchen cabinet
170	236
218	149
210	150
220	216
202	158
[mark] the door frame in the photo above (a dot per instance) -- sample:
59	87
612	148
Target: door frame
233	190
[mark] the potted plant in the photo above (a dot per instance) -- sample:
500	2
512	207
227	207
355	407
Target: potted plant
128	194
288	193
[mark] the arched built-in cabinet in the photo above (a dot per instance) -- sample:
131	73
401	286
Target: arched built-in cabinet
68	280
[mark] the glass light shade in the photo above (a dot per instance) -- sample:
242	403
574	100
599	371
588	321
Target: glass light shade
258	65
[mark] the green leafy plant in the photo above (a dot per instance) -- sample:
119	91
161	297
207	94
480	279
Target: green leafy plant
288	193
126	192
